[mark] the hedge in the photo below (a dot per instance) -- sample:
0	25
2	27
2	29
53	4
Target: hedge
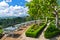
51	31
1	31
33	32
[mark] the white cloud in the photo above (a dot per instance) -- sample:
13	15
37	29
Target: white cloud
3	5
6	10
28	0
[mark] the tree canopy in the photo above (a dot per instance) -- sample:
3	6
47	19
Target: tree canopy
43	8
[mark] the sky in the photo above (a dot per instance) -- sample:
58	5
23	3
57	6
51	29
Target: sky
13	8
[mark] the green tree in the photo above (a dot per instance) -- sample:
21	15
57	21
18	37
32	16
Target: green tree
44	8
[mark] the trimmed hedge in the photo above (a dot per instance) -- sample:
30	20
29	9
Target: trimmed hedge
1	31
51	31
34	30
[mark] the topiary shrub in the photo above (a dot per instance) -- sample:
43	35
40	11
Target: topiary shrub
34	30
1	31
51	31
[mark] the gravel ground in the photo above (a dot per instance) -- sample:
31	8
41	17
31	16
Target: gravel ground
41	37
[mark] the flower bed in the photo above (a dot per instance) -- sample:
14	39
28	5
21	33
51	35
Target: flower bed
34	30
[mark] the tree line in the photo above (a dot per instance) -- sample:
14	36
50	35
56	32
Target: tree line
11	21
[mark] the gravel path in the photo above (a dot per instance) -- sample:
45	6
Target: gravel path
42	35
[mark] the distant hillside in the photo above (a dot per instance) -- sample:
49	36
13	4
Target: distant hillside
10	21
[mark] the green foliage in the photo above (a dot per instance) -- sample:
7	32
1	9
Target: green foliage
41	8
51	18
51	31
1	31
34	30
11	21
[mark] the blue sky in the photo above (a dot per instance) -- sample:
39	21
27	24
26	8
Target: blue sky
16	2
13	8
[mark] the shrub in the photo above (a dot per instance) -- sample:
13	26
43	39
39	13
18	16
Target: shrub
51	31
1	31
34	30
